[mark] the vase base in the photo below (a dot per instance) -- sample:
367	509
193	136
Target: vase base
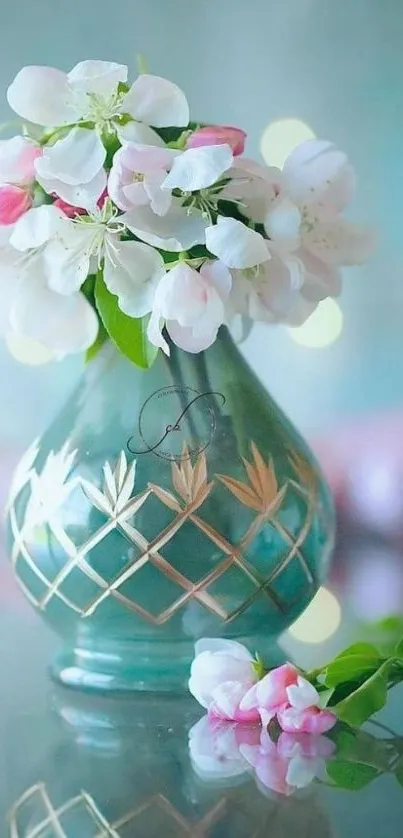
160	667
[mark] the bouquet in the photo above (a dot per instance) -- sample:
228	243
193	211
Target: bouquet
120	218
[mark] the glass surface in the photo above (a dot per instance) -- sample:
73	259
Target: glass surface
80	766
166	505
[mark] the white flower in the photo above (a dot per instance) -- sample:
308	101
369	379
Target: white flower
253	187
236	245
304	223
137	174
131	269
91	92
192	304
73	168
221	675
29	306
199	168
49	488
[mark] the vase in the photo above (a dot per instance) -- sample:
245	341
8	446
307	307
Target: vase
162	506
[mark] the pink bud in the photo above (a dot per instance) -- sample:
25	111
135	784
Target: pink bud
217	135
69	209
14	201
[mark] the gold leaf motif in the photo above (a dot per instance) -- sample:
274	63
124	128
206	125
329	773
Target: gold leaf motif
263	494
241	491
199	473
190	482
165	496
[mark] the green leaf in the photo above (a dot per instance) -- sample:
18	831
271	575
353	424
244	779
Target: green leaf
366	700
129	334
359	659
351	775
399	649
324	698
99	341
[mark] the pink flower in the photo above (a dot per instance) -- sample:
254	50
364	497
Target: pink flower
69	209
284	693
218	135
14	202
291	763
17	171
221	675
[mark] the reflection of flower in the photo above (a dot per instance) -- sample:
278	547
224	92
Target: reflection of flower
214	747
49	488
285	694
222	750
291	763
221	675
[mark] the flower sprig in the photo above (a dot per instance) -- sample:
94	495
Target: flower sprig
122	218
234	686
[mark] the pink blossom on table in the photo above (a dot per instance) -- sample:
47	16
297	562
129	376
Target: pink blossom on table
14	202
291	763
216	135
284	693
221	675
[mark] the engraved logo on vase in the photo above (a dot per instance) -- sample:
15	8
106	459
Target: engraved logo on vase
176	422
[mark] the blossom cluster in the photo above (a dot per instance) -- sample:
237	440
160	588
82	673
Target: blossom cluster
121	218
225	680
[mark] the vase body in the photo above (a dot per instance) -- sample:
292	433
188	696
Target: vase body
164	506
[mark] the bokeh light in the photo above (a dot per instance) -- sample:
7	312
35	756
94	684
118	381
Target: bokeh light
322	328
320	620
28	351
280	138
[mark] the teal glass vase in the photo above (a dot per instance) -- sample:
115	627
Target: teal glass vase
162	506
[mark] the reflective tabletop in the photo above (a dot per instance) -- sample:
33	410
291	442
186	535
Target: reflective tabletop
78	765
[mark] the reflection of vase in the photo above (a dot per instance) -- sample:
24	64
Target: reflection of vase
122	769
224	527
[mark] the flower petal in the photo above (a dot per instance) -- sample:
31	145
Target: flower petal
62	324
219	644
132	271
340	242
188	339
199	168
154	332
302	694
282	224
137	132
316	171
156	101
174	231
99	77
218	275
17	156
41	95
310	720
226	699
36	227
67	257
84	195
14	202
235	244
74	160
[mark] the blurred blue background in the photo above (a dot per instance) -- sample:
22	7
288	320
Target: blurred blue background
335	66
